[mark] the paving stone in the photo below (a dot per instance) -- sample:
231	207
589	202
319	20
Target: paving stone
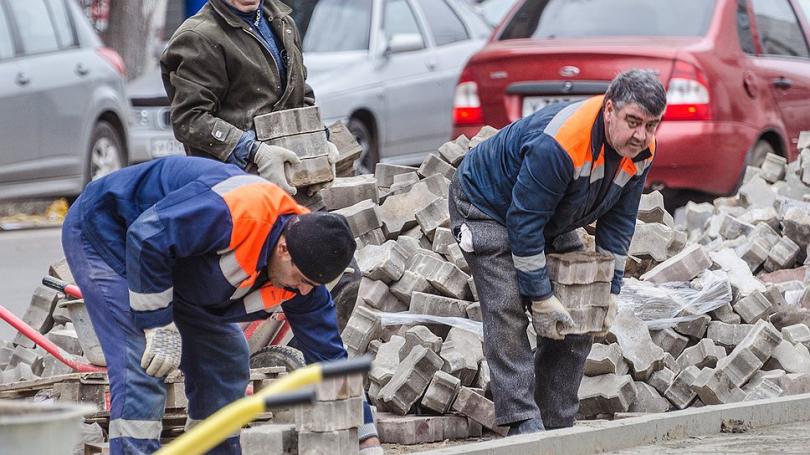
758	193
462	351
739	272
362	217
764	390
766	215
773	168
16	373
583	295
682	267
441	392
776	377
579	267
775	296
474	311
680	393
727	335
348	191
782	256
672	364
410	380
713	386
404	182
310	171
796	383
483	134
753	308
651	209
385	173
449	280
341	442
731	227
287	123
30	357
651	240
484	377
603	359
362	327
790	358
437	305
636	345
605	394
330	415
408	285
386	361
442	239
420	335
373	237
376	295
752	352
398	213
648	400
38	313
52	367
67	340
477	408
473	289
433	216
694	328
410	430
788	277
762	340
796	226
61	271
432	165
697	215
662	379
385	263
438	185
726	315
456	257
6	351
453	153
703	354
269	438
340	388
797	334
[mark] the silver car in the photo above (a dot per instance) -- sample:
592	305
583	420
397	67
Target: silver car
62	102
388	68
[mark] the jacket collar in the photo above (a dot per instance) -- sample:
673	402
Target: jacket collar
272	9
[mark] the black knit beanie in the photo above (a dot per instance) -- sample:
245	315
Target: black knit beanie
321	245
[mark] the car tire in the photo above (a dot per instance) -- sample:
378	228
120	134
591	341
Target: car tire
106	153
278	356
370	155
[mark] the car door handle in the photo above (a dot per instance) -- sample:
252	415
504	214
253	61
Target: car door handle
430	64
82	69
782	83
22	79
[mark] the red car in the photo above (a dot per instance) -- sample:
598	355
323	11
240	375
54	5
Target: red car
737	74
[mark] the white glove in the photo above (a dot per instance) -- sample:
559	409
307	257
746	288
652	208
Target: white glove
270	160
610	315
549	317
163	349
332	153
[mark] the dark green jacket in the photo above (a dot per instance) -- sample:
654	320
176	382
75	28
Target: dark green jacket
219	76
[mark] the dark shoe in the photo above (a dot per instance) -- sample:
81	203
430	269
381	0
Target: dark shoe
525	427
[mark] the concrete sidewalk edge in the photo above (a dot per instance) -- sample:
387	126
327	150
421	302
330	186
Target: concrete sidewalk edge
643	430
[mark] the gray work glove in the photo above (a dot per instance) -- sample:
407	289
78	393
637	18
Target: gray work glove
163	349
270	160
332	153
610	316
550	317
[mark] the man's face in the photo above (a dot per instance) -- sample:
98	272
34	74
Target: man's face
282	273
629	129
245	6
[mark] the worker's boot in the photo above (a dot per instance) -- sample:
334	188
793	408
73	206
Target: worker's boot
525	426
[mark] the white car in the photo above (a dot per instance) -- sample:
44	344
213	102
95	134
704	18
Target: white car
389	69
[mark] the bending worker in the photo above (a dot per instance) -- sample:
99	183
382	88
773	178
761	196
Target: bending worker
523	192
168	255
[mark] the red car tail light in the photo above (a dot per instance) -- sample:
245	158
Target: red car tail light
467	105
115	60
687	94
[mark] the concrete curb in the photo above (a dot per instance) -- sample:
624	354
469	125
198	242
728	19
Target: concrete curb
644	430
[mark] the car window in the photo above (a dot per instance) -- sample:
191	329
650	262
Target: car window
34	25
445	25
779	31
744	28
550	19
6	47
61	23
333	25
399	19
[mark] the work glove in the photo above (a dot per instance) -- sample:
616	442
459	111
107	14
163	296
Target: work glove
162	353
270	161
332	153
610	316
550	317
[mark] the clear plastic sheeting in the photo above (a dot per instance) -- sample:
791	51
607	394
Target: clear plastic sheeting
664	305
475	327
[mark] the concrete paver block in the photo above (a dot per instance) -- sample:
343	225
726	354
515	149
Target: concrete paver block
385	173
30	357
341	442
703	354
474	311
437	305
462	352
433	216
648	400
653	240
754	252
782	256
386	361
651	209
796	226
410	380
52	367
680	393
442	238
484	377
404	182
662	379
441	392
340	388
348	191
305	145
797	334
330	415
605	394
287	122
695	328
580	267
362	217
408	285
362	327
375	294
764	390
432	165
753	308
310	171
790	358
385	263
449	280
682	267
697	215
271	438
38	313
410	430
725	314
16	373
603	359
456	257
731	227
715	387
727	335
420	335
758	193
452	152
773	168
670	341
66	339
762	340
61	270
477	408
398	213
636	344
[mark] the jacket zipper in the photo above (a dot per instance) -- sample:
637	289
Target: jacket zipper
276	70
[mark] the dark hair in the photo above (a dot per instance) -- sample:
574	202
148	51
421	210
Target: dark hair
638	86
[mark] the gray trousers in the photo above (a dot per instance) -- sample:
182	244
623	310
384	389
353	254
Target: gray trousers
547	392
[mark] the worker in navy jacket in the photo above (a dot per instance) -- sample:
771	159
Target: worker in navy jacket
523	192
169	254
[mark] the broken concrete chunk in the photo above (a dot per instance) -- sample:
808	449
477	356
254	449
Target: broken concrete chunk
603	359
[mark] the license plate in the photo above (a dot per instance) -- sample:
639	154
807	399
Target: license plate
166	147
532	104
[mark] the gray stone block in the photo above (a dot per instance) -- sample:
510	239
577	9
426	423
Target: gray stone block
605	394
66	339
433	165
409	284
420	336
273	438
305	145
758	193
773	168
694	328
727	335
362	217
404	182
16	373
362	327
662	379
583	295
453	153
725	314
310	171
438	185
680	393
483	134
604	359
651	240
449	280
697	215
648	400
753	308
636	344
52	367
61	270
385	173
731	227
348	191
437	305
376	295
670	341
703	354
288	122
340	388
790	358
797	334
474	311
754	252
385	263
796	226
410	380
456	257
484	376
330	415
398	213
30	357
761	340
651	209
579	268
38	314
477	408
442	238
386	361
462	352
682	267
433	216
441	392
764	390
713	386
373	237
410	430
341	442
782	256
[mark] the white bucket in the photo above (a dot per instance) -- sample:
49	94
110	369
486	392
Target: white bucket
28	428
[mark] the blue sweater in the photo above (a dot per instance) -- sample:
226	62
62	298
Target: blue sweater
541	177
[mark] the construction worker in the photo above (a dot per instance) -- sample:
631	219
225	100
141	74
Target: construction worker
523	192
232	61
169	254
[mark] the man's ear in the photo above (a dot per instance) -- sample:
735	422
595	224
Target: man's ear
281	247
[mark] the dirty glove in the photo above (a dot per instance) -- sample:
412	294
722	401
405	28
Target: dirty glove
270	160
610	316
332	153
162	353
549	317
